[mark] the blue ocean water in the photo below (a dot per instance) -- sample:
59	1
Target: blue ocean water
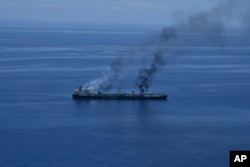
206	115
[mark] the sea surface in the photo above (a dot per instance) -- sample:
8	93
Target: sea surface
206	115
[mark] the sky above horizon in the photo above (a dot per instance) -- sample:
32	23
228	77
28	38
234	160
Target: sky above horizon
109	11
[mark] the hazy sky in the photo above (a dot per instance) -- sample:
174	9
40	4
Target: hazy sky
101	11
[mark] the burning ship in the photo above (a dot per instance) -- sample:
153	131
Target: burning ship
85	94
143	81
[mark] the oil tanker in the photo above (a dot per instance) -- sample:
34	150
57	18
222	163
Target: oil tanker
85	94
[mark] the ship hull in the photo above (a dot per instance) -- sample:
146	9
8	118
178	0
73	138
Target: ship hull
120	97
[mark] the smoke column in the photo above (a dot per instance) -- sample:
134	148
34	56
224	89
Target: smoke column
143	81
146	74
117	69
209	23
106	82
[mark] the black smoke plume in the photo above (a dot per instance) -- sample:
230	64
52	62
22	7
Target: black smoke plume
143	81
168	37
209	23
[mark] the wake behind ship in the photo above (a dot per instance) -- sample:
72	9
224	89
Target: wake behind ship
85	94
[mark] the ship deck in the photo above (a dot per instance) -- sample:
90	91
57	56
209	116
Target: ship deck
120	96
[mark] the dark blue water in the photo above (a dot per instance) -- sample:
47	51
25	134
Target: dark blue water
206	115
